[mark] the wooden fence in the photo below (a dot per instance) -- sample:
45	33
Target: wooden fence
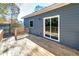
20	31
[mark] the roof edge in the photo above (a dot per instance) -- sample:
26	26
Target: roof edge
46	9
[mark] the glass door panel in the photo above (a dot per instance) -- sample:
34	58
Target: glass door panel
47	28
54	28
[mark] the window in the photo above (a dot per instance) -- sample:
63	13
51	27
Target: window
31	23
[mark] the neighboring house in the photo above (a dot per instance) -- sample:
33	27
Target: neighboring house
57	22
6	27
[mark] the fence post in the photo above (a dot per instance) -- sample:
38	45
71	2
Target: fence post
15	33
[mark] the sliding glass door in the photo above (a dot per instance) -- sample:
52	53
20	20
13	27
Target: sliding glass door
51	27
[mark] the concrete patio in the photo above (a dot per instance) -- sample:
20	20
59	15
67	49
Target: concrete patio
21	47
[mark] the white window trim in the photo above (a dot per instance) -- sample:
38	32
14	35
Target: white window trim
29	24
58	27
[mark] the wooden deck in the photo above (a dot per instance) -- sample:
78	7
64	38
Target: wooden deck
53	47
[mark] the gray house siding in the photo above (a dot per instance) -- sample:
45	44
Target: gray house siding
69	24
36	23
26	23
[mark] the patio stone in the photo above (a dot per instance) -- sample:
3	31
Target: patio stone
6	44
14	51
22	47
21	42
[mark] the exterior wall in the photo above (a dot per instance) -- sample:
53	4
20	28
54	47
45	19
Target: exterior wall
26	23
36	23
69	24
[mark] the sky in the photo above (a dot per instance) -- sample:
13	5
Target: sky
27	8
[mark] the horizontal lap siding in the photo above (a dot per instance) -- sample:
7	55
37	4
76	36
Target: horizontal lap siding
37	26
69	24
26	23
